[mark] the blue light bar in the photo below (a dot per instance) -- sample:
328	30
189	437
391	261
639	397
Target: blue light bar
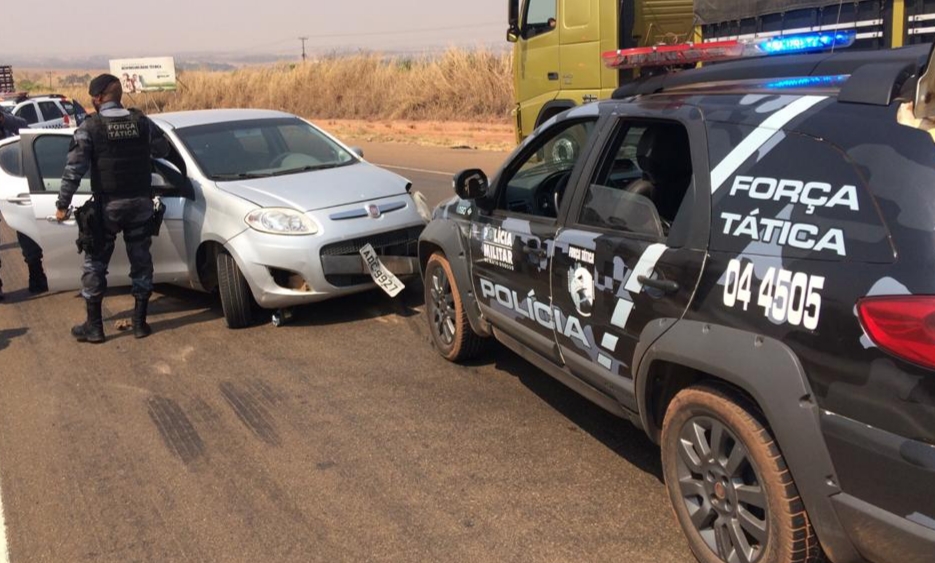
808	82
807	42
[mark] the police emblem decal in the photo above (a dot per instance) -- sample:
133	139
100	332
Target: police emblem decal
581	288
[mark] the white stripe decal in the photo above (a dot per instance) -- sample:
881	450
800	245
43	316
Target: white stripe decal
758	138
645	267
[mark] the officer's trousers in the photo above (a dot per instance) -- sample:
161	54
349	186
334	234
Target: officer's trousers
132	217
32	252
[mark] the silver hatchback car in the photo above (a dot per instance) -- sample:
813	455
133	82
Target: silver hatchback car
261	206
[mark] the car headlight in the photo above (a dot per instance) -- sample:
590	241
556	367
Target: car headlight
278	221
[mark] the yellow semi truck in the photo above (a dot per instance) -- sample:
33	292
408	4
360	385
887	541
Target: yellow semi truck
558	43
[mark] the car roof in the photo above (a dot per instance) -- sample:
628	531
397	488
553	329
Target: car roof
868	76
180	119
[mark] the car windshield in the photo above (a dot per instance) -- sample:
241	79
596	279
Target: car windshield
259	148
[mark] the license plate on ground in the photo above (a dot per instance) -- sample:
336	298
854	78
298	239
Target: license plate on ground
381	276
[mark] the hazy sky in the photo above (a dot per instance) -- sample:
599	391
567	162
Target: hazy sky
165	27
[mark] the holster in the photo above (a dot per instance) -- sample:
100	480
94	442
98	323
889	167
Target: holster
90	219
159	213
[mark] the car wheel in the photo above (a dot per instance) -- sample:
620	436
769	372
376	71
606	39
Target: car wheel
730	487
451	331
236	299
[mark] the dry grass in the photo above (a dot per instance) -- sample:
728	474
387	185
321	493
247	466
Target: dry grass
472	86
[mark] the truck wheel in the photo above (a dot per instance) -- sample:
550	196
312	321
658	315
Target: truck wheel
236	299
730	487
448	323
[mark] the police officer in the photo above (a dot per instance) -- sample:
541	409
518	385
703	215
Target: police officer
116	145
32	253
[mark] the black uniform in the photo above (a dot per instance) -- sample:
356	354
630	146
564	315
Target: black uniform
116	145
32	252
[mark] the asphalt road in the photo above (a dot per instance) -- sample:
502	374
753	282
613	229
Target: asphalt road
340	437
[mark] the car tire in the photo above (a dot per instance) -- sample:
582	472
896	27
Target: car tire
449	326
236	298
733	504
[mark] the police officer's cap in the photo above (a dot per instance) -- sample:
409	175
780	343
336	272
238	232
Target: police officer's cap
100	83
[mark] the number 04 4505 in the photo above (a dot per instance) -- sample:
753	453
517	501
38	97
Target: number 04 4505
783	295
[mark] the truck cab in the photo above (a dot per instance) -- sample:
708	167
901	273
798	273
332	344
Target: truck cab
558	45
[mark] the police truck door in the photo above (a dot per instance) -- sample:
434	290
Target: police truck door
634	247
511	245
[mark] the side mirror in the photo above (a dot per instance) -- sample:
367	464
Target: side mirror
925	90
513	32
168	181
358	151
471	184
159	183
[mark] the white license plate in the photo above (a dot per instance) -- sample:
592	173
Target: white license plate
381	276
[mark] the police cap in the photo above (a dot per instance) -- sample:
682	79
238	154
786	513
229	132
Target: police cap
100	83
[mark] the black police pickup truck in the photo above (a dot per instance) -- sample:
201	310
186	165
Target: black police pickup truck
740	259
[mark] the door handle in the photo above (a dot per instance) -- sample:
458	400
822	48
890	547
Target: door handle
536	251
553	76
67	222
668	286
20	199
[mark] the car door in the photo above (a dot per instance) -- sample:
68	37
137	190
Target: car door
511	242
15	202
52	116
634	246
44	157
28	112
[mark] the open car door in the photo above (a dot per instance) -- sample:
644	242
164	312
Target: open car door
15	201
44	154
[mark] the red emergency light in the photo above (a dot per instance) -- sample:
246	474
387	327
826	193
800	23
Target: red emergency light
692	53
671	55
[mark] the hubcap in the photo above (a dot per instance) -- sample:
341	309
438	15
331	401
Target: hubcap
442	306
722	491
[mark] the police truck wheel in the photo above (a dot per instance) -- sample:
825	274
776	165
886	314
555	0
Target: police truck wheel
236	299
730	487
451	331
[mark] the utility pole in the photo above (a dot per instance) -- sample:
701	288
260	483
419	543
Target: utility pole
303	40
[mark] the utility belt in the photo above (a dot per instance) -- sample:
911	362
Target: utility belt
90	219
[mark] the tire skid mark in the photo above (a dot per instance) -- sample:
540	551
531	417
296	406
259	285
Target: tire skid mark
176	429
252	412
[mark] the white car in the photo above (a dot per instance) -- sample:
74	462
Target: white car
267	207
50	112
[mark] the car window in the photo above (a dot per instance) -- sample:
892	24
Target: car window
50	111
261	147
536	185
28	112
69	108
11	159
51	152
641	184
540	16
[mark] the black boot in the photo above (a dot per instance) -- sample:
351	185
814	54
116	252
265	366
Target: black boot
37	280
140	328
92	330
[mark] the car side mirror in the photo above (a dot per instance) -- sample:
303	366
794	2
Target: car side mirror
358	151
471	184
169	182
512	35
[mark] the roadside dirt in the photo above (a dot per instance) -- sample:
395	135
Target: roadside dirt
451	134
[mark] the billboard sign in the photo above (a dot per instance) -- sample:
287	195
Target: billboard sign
145	75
